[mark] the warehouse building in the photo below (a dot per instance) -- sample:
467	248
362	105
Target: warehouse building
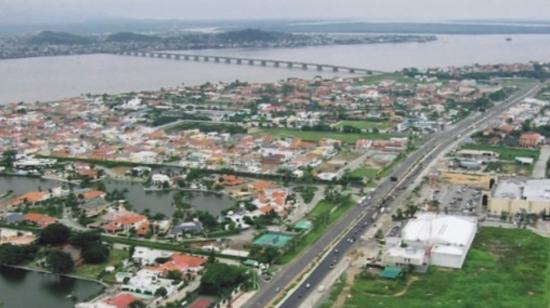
432	239
516	195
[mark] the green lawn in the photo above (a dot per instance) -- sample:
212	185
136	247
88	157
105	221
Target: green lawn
366	124
334	211
365	172
505	268
397	77
94	271
506	153
317	135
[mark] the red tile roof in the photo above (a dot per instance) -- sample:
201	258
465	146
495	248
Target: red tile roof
121	300
180	263
39	219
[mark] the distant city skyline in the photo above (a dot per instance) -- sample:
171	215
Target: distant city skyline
59	11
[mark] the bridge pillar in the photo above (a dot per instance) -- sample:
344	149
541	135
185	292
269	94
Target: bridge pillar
186	57
239	61
276	63
289	65
352	71
178	57
250	62
335	69
196	58
227	60
304	66
206	58
264	63
319	67
216	59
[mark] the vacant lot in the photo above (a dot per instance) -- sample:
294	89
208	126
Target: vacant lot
505	153
317	135
505	268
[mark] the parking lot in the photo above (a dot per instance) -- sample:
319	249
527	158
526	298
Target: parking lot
456	199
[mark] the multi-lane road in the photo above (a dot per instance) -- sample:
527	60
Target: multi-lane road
341	235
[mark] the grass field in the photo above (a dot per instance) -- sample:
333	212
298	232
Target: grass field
334	212
506	153
504	268
365	172
397	77
316	135
366	124
93	271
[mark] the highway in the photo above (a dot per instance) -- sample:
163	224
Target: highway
358	219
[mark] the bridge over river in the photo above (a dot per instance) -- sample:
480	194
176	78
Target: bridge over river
248	61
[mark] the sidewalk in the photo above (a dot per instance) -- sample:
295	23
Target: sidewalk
539	170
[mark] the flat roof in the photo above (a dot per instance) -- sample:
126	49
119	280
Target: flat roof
521	188
440	229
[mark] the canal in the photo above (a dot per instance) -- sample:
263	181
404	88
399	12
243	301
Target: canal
155	201
21	288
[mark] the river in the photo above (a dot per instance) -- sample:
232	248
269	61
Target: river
48	78
20	288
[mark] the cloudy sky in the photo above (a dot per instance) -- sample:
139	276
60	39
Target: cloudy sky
29	11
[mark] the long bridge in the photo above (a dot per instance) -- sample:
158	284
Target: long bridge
247	61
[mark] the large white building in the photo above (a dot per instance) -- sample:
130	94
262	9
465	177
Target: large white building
514	195
432	239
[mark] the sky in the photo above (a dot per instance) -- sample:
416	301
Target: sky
59	11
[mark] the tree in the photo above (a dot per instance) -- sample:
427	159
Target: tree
267	254
174	275
54	234
95	253
15	255
82	239
220	278
161	292
58	261
8	158
137	304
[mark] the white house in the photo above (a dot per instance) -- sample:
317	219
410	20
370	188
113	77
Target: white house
147	256
160	179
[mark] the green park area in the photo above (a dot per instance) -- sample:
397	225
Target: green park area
504	268
365	124
505	153
318	135
396	77
365	172
97	271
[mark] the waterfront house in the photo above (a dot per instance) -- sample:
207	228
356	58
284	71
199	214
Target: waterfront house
191	227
